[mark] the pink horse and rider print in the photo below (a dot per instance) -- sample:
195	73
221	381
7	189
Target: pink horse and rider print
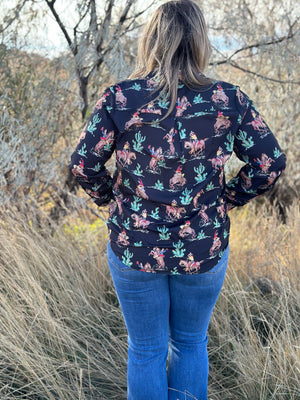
168	197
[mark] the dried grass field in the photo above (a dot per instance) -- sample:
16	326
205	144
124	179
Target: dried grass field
61	329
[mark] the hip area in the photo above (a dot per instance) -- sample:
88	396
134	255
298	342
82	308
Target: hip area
181	258
137	230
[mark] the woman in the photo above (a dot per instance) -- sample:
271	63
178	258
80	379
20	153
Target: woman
172	130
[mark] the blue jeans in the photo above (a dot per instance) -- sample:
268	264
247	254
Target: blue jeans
166	315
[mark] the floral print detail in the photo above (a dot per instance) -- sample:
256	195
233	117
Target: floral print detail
168	192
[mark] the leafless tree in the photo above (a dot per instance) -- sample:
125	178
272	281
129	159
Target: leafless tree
97	31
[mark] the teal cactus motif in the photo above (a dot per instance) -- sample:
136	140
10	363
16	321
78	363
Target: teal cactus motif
250	191
138	171
245	159
114	220
137	143
201	175
174	271
201	235
164	234
196	114
155	214
225	234
216	223
96	168
126	257
239	120
126	183
108	146
220	255
182	132
229	144
155	123
95	187
233	182
163	102
161	163
182	159
179	252
138	244
135	205
126	223
209	187
83	150
136	86
109	108
277	153
251	173
247	143
159	185
186	198
92	125
198	99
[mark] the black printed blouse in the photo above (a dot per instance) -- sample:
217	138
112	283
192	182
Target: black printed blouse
168	199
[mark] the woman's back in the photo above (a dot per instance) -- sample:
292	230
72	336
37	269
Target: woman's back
170	200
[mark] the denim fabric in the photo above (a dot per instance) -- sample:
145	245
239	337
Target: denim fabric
166	315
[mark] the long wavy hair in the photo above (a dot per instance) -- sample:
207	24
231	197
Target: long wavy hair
174	45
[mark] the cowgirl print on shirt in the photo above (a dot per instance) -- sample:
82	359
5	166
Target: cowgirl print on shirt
168	199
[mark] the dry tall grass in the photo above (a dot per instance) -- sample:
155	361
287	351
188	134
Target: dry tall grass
61	329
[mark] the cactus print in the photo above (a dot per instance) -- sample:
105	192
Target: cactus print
168	198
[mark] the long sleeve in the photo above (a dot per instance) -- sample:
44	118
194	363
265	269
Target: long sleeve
94	148
255	144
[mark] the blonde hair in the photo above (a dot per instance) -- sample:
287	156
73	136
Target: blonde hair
174	44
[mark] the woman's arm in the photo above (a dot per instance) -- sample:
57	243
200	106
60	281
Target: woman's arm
94	148
256	145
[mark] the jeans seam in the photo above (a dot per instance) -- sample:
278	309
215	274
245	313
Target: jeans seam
120	269
218	270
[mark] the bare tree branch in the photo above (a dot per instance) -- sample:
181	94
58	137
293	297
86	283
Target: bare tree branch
16	11
78	23
228	60
263	44
123	16
105	25
50	4
263	76
252	46
116	35
138	14
93	19
267	78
